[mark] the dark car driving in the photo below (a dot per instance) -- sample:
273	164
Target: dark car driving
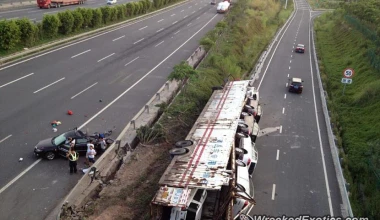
51	147
300	48
295	85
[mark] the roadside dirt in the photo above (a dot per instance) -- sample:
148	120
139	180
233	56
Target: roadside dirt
128	196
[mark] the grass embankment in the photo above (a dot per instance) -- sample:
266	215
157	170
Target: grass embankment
324	4
356	114
234	46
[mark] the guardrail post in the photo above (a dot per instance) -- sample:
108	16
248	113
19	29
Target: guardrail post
158	96
147	108
134	124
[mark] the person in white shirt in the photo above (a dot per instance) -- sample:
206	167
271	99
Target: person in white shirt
91	154
89	145
103	145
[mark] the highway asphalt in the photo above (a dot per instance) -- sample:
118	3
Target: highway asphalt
123	68
34	13
293	177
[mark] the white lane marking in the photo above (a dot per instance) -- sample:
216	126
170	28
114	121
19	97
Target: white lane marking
48	85
159	43
283	110
5	12
185	16
286	85
174	22
190	6
131	61
291	56
172	15
288	75
12	18
143	28
278	154
106	57
196	3
19	176
280	129
188	24
160	30
147	74
2	140
117	98
273	191
289	67
84	90
177	32
160	20
193	12
81	53
118	38
274	52
319	131
182	10
16	80
290	61
285	96
32	19
200	8
198	18
139	40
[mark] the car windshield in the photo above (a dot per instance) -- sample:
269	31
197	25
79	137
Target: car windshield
59	139
296	84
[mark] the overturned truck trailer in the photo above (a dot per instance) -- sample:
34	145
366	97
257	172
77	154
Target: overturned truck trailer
202	180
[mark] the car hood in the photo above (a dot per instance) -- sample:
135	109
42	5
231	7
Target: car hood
45	144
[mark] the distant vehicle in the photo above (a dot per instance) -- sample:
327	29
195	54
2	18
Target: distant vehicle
111	2
58	3
223	7
300	48
295	85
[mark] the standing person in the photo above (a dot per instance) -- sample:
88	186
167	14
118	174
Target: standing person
73	157
89	145
91	154
71	142
103	144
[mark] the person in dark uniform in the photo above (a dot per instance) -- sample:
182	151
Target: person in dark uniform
73	157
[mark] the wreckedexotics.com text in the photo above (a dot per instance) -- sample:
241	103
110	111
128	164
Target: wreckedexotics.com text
305	217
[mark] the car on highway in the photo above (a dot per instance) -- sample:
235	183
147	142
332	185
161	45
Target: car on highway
51	147
111	2
300	48
295	85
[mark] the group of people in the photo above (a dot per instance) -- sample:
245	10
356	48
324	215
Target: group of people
73	155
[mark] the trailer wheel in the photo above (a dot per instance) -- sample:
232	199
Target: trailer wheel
178	151
185	143
240	163
241	135
241	150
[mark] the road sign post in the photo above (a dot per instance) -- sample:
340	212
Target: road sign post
348	73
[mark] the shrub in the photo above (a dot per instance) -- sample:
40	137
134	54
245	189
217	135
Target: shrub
149	5
144	6
27	31
182	71
78	20
9	34
87	14
121	12
106	12
137	8
157	3
97	18
113	16
50	25
130	6
66	19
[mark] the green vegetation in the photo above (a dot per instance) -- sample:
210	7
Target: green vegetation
349	37
17	34
325	4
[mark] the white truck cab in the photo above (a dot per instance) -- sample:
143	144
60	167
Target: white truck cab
193	210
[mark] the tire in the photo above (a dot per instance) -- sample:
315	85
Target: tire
247	107
50	155
241	135
185	143
240	150
109	141
242	125
178	151
240	163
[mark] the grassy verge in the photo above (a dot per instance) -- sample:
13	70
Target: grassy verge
355	114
